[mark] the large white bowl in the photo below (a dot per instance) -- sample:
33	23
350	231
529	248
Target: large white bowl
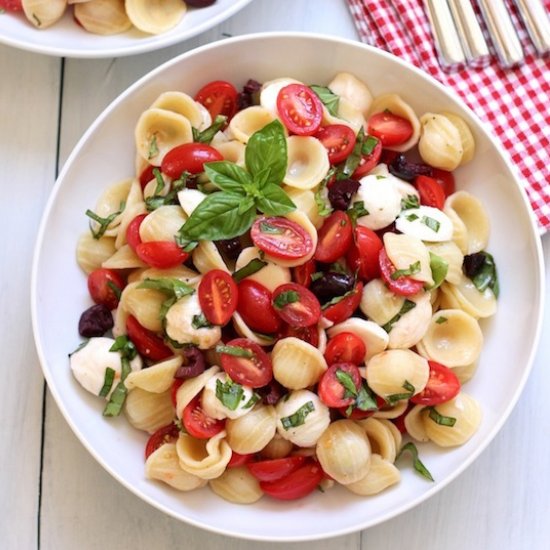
106	154
67	39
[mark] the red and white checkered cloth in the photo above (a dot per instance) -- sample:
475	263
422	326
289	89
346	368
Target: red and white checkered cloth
514	102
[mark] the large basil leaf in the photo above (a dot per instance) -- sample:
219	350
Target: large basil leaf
274	201
228	176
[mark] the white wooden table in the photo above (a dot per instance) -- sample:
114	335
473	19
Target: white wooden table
53	495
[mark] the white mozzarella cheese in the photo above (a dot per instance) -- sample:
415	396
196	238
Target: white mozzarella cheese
381	200
213	406
425	223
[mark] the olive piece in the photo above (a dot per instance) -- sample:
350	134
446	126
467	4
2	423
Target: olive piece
406	170
199	3
473	263
194	363
230	248
332	284
95	321
341	192
272	393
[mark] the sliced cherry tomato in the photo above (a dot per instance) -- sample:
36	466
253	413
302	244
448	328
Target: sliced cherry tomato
332	392
403	285
275	468
345	347
335	237
338	140
218	296
132	231
281	238
300	109
445	179
368	160
198	423
163	435
148	343
442	386
11	5
254	306
237	459
400	420
389	128
302	273
188	157
146	175
161	254
296	305
219	97
307	334
174	391
342	310
362	255
431	192
105	286
255	371
297	484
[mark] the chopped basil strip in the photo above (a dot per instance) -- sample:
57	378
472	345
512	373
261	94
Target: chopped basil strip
252	401
337	299
316	275
346	169
80	346
158	199
253	266
357	210
395	397
115	288
406	307
368	145
440	320
410	201
440	419
207	135
328	98
412	217
200	321
439	268
299	417
128	351
346	380
116	402
285	298
173	288
153	147
432	223
365	401
411	270
417	463
324	207
229	393
236	351
108	382
103	222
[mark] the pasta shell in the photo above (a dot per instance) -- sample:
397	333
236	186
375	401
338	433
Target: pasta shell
155	16
185	105
232	151
347	114
192	387
278	447
189	199
466	137
237	485
148	411
388	411
381	438
307	162
135	206
411	326
158	131
91	253
144	304
348	86
43	13
460	232
205	458
157	378
468	298
440	144
304	199
465	373
414	424
123	258
102	16
207	257
271	275
248	121
112	201
374	337
379	303
405	251
381	475
253	431
244	331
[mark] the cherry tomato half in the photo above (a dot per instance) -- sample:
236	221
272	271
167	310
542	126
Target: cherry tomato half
342	310
338	140
307	334
132	231
218	296
442	386
297	484
219	97
362	255
198	423
238	459
389	128
188	157
254	306
368	161
404	285
296	305
430	191
302	273
281	238
445	179
105	286
255	371
275	468
335	237
345	347
332	392
146	175
161	254
148	343
300	109
11	5
163	435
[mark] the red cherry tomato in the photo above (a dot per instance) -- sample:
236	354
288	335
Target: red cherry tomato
237	459
132	231
300	109
345	347
146	175
335	237
219	97
302	273
297	484
338	140
307	334
275	468
404	285
445	179
161	254
281	238
174	391
331	390
218	296
431	192
389	128
198	423
362	256
105	286
400	420
163	435
255	371
442	386
254	306
344	309
11	5
148	343
189	157
368	161
296	305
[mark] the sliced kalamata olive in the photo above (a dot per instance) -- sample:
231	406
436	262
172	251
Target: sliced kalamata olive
95	321
341	192
230	248
199	3
250	94
473	263
195	363
406	170
272	393
332	284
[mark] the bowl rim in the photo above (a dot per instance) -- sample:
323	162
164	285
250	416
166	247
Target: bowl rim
538	276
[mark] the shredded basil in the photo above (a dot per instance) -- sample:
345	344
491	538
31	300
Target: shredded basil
407	394
115	288
80	346
103	222
328	98
128	352
417	463
432	223
157	199
368	145
252	401
409	202
440	419
406	307
357	210
346	169
174	289
299	417
229	393
200	321
411	217
107	382
153	148
347	382
253	266
439	267
337	299
236	351
207	135
323	205
440	320
285	298
411	270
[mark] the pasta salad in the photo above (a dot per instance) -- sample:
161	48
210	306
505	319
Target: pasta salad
287	293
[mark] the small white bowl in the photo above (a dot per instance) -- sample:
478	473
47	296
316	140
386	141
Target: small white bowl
106	154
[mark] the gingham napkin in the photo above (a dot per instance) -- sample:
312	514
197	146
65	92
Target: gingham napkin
514	102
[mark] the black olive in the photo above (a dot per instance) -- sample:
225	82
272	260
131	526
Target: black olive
272	393
95	321
473	263
406	170
250	94
341	192
332	284
199	3
230	248
195	363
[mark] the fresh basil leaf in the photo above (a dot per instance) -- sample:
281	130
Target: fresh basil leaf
439	268
411	270
153	148
247	203
207	135
107	382
324	207
274	201
407	306
369	143
410	201
441	419
328	98
124	346
357	210
440	320
116	401
250	268
229	393
252	401
228	176
236	351
337	299
411	217
285	298
200	321
299	417
407	394
432	223
417	463
170	286
365	400
486	276
347	382
103	222
349	166
115	288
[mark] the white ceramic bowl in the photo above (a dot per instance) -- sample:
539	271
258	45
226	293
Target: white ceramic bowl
106	154
66	39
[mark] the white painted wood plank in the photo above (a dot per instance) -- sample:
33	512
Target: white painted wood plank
29	93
